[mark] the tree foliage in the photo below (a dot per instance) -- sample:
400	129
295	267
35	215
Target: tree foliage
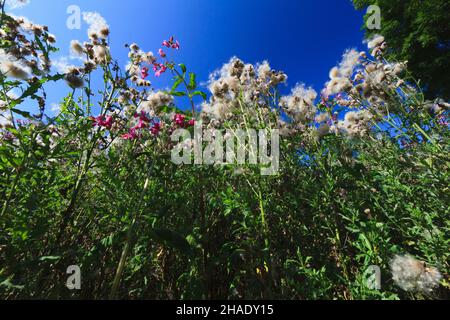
418	32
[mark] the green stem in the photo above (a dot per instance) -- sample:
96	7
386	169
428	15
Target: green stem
128	245
189	91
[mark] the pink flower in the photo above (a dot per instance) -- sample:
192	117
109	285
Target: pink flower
141	125
191	122
156	128
109	122
162	53
171	43
144	72
161	70
176	45
179	119
102	122
131	135
142	117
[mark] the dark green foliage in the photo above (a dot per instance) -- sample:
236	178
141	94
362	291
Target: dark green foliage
418	32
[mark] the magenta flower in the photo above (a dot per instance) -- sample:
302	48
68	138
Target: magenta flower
144	72
155	129
142	117
109	122
161	70
141	125
179	119
102	122
162	53
131	135
171	43
176	45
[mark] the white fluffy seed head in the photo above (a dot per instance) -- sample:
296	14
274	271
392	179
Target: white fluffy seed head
76	48
413	275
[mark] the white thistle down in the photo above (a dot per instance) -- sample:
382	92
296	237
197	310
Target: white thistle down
98	27
16	4
413	275
13	67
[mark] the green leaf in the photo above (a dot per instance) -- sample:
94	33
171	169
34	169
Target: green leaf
178	94
50	258
24	114
177	84
167	109
192	81
8	284
172	239
31	90
183	68
200	93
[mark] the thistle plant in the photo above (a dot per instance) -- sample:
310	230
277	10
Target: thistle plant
363	178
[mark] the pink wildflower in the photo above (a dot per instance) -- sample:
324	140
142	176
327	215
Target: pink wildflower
142	117
162	53
141	125
131	135
176	45
161	70
144	72
171	43
179	119
156	128
102	122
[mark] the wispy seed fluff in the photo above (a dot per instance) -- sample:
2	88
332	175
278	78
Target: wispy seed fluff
51	38
377	44
349	61
154	101
98	27
15	4
376	41
12	67
76	48
236	78
101	54
300	104
5	120
74	79
340	75
413	275
356	123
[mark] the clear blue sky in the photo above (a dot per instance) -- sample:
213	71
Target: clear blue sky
305	38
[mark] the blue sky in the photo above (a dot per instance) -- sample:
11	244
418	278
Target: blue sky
304	38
